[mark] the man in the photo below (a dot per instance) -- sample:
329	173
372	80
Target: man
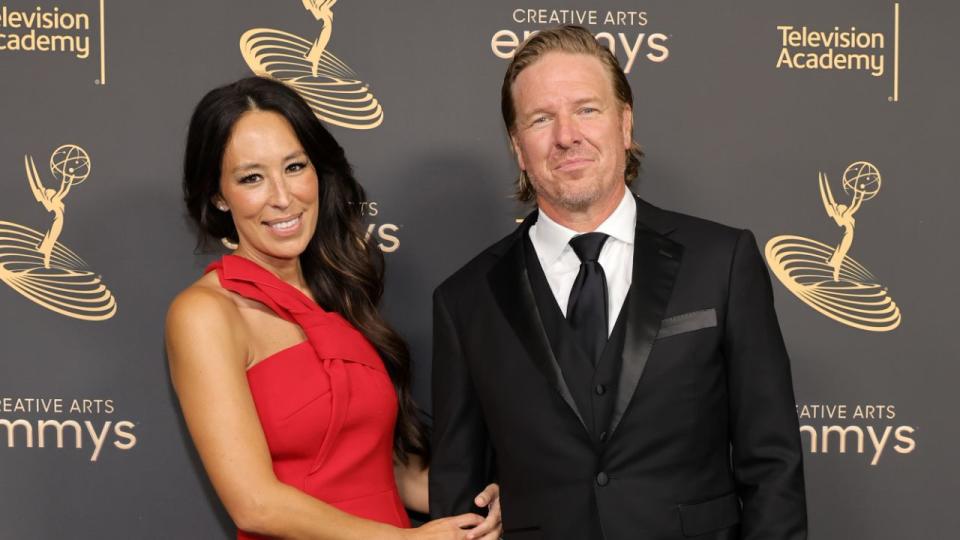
618	368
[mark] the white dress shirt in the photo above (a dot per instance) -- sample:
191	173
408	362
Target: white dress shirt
561	264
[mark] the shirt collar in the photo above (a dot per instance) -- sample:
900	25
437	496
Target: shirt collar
553	238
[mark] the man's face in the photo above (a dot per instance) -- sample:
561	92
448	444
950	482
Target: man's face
571	133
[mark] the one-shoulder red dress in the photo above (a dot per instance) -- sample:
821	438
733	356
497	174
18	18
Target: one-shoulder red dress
327	404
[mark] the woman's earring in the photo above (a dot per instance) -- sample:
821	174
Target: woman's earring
227	243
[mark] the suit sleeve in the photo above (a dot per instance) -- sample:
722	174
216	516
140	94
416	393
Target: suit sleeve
765	435
460	464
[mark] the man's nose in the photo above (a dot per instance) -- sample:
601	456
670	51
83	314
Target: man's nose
567	131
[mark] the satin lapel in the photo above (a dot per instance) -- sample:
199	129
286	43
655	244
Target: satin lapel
511	287
656	260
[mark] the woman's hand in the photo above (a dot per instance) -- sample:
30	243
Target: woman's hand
450	528
491	528
464	526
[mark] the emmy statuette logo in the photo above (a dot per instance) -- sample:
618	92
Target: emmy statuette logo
37	265
825	277
335	93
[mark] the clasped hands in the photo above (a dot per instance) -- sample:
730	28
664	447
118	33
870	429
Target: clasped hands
468	526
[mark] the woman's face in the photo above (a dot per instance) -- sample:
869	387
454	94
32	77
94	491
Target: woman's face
270	188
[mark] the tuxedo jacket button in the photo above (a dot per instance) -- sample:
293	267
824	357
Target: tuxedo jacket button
602	479
601	389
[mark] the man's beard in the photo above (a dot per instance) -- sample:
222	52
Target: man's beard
577	200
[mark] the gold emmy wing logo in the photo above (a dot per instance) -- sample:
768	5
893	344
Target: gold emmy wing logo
333	90
37	265
825	277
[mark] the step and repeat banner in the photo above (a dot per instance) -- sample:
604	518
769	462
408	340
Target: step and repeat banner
827	128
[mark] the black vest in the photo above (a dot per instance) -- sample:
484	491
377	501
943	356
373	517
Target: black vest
593	388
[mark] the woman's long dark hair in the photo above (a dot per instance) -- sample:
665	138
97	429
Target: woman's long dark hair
343	271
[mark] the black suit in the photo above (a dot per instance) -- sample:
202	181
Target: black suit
701	437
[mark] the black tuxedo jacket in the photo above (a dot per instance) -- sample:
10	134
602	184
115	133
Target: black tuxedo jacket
703	440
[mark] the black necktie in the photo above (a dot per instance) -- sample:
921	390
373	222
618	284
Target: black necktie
587	307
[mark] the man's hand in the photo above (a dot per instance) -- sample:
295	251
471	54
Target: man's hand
491	528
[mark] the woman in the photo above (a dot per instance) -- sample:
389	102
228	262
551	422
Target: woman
295	390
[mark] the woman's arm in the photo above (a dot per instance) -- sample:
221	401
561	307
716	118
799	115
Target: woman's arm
412	482
207	354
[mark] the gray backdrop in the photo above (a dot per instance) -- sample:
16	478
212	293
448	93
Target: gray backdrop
728	134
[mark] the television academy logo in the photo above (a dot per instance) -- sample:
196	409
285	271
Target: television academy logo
53	31
39	266
335	93
825	277
842	48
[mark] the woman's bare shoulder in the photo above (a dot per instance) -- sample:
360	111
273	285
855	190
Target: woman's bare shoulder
202	299
204	310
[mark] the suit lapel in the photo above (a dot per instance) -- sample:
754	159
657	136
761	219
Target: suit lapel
510	284
656	260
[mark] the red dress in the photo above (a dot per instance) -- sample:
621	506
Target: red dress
327	405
